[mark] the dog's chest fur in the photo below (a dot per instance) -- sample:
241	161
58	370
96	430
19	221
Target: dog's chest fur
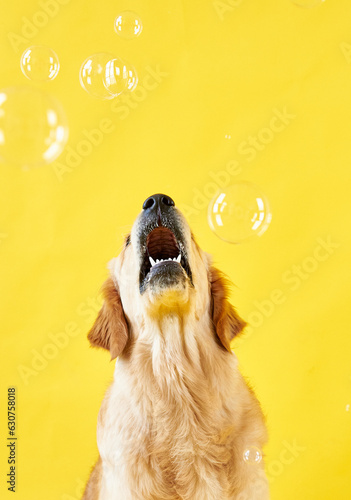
164	427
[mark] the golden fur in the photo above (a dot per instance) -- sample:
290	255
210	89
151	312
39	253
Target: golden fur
178	416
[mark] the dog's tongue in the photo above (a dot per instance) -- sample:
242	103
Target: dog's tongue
162	244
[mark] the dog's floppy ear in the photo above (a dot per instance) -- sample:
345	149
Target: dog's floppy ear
110	329
227	323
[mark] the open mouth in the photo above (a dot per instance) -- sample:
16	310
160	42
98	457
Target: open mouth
163	252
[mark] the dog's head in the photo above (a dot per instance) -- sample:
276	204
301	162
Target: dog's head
162	272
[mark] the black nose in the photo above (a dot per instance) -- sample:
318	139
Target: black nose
158	201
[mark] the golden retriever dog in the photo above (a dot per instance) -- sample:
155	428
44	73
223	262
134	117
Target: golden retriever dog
178	419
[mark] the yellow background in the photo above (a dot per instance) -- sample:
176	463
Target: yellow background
226	67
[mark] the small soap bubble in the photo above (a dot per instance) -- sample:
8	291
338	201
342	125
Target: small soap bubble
347	408
116	77
239	212
308	4
132	78
128	25
252	455
33	127
39	63
228	137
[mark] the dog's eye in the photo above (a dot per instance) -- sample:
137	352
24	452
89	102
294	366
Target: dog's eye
127	240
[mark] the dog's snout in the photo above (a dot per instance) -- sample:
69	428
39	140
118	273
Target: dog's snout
158	201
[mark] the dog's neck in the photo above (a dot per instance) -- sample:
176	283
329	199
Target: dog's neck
171	388
172	360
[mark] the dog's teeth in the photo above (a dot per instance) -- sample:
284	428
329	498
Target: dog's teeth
152	262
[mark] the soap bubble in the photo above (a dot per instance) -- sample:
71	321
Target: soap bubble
39	63
116	76
239	212
307	3
128	25
33	127
132	78
252	455
104	76
92	75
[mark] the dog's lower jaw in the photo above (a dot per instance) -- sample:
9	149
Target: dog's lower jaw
162	300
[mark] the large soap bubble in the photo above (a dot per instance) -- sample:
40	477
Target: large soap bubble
39	63
33	127
104	76
239	212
